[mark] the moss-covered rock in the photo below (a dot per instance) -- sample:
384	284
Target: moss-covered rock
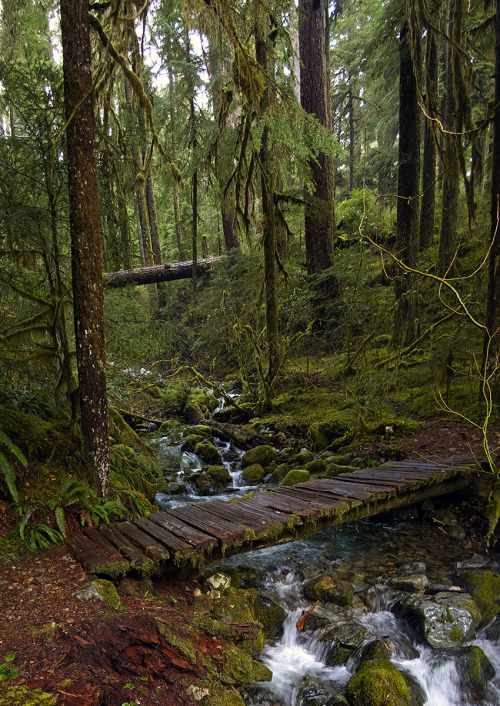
280	472
474	669
484	587
333	469
22	696
173	396
296	476
219	475
253	474
271	614
202	397
316	466
262	455
318	437
207	452
191	440
100	590
329	589
377	683
303	457
201	430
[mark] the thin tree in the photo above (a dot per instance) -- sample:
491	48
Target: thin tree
86	239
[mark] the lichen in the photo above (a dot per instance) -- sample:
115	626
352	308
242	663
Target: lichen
22	696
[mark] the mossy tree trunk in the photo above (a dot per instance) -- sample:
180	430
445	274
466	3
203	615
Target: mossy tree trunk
85	227
314	92
175	170
428	206
405	313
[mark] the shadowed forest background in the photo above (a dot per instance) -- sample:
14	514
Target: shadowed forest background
341	160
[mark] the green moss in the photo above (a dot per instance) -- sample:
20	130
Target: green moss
296	476
219	695
109	594
207	452
240	668
22	696
263	455
184	645
254	474
190	441
316	466
484	587
377	683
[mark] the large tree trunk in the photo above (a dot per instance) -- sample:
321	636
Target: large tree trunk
405	314
428	206
85	227
451	146
162	273
314	88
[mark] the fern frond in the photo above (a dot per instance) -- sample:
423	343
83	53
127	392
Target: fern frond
9	476
60	520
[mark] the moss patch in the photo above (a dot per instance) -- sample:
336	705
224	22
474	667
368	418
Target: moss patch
296	476
22	696
484	587
377	683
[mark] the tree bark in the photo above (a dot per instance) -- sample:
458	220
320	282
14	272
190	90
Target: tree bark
314	88
428	206
85	228
405	313
162	273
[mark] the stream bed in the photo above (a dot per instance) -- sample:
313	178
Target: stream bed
368	556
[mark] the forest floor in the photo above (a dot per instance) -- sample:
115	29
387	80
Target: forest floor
84	652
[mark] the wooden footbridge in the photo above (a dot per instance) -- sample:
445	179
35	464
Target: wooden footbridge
194	533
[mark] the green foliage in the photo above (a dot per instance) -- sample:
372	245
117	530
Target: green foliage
7	472
7	671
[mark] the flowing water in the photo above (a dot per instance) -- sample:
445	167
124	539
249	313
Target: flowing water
366	554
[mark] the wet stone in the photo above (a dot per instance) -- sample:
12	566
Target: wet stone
348	635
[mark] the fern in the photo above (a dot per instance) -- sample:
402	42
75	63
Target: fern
6	470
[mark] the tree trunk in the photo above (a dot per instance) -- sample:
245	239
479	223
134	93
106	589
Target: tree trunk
428	206
162	273
314	88
177	210
85	228
405	313
451	148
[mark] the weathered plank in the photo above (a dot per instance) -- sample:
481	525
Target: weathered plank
189	534
227	532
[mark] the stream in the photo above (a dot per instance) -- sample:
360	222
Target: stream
365	554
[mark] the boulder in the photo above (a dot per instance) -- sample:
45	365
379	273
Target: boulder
207	452
313	691
190	441
318	437
474	669
333	469
444	620
329	589
316	466
262	455
296	476
303	457
204	398
271	614
377	682
253	474
410	577
484	587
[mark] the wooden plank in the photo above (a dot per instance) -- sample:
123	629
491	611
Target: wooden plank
194	537
240	515
88	553
285	504
338	488
305	495
162	535
152	548
365	485
138	560
227	532
277	517
104	546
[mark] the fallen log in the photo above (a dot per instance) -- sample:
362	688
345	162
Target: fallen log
158	273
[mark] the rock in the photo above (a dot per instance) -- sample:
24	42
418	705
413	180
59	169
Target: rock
202	430
377	682
410	577
376	649
219	582
100	590
250	576
474	668
349	635
262	455
337	656
296	476
303	457
207	452
313	622
445	516
313	691
271	614
280	472
329	589
333	469
219	475
476	561
316	466
190	441
445	620
253	474
202	397
484	587
318	437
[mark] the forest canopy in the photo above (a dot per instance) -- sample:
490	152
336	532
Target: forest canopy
340	160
